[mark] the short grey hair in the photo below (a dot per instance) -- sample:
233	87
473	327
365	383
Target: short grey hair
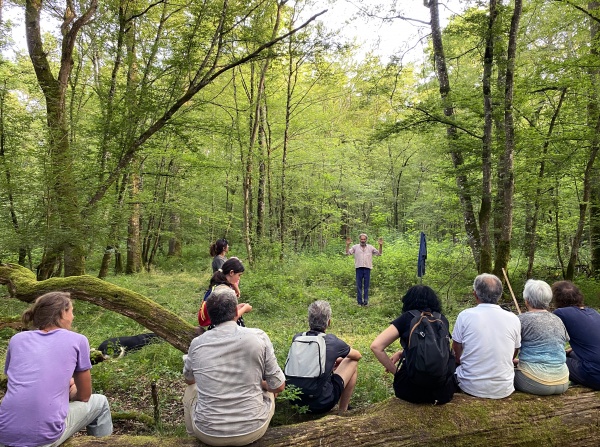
488	288
537	293
319	314
363	234
221	305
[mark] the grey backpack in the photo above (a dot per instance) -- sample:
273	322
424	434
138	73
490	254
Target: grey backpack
305	364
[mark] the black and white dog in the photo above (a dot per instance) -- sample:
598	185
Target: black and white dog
117	347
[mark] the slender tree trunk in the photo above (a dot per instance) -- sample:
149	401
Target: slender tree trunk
594	126
11	202
593	113
470	222
506	173
485	211
175	247
531	224
134	250
262	175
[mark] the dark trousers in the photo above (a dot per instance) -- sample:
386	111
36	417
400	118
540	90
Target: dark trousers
363	278
578	375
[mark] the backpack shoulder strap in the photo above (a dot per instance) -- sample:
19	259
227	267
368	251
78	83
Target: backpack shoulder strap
415	313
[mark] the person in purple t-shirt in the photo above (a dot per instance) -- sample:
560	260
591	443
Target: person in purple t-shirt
583	325
49	396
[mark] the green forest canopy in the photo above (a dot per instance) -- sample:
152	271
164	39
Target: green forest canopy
139	127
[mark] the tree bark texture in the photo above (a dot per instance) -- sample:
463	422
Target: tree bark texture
462	183
519	420
532	221
594	126
22	285
485	210
506	174
65	223
593	112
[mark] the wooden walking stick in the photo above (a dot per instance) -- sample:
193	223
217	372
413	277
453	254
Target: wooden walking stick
511	290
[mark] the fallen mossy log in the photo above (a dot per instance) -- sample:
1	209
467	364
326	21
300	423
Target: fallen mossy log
572	419
23	285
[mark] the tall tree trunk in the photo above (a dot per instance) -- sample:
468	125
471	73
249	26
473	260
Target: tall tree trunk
506	173
470	222
66	226
262	175
594	126
593	113
175	247
531	223
133	263
485	211
284	151
112	246
11	202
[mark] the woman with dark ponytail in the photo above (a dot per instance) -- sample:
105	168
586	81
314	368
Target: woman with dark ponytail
49	396
218	250
228	275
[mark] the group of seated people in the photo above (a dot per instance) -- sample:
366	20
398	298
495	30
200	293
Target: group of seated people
233	375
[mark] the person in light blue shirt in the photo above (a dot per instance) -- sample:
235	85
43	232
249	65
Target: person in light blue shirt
541	368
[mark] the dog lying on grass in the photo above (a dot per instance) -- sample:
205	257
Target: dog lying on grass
117	347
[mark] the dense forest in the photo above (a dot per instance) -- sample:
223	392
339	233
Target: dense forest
136	128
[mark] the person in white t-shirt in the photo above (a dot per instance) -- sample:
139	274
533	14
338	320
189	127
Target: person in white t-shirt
486	338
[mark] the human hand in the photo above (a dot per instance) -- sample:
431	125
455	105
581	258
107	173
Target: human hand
243	308
337	362
380	240
396	357
72	389
348	240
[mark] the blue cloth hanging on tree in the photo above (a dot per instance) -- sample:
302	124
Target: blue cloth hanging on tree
422	256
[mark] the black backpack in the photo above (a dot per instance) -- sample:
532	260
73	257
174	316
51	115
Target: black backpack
428	350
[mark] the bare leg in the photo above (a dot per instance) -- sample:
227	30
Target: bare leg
347	370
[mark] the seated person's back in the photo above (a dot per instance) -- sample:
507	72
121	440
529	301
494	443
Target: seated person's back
485	338
340	371
235	372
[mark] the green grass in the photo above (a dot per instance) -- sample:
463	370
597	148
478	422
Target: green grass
280	293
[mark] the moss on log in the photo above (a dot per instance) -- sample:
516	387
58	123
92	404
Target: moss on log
572	419
23	285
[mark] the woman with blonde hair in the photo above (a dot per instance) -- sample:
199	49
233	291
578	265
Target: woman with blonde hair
49	396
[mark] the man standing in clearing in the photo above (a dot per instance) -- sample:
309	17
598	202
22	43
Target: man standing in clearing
486	338
363	263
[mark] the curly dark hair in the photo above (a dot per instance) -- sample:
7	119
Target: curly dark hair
420	298
566	294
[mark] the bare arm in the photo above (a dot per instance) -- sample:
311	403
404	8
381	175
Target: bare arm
458	349
82	380
354	355
383	340
348	242
243	308
279	389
